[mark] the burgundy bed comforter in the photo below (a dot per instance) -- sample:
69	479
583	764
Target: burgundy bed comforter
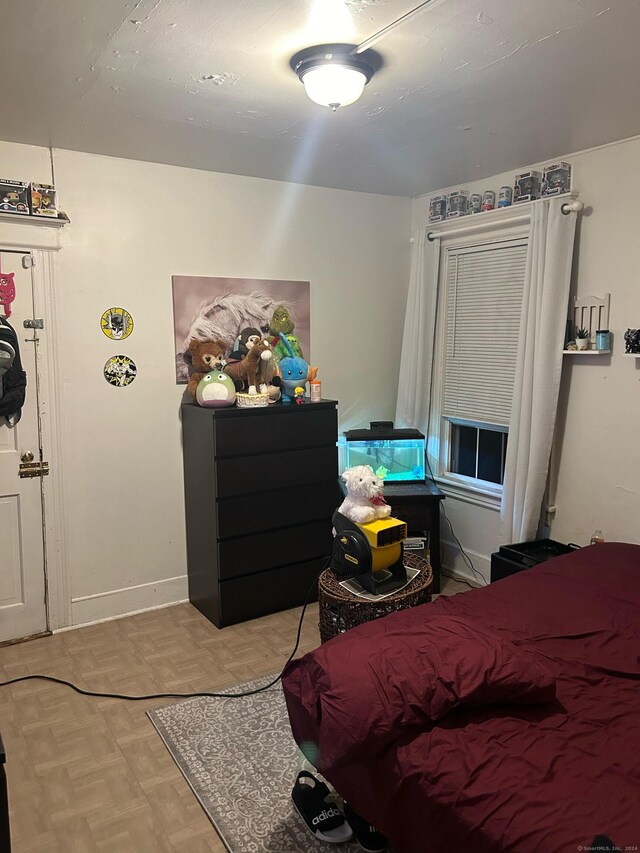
502	720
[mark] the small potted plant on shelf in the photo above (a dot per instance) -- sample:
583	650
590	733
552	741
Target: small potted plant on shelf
582	338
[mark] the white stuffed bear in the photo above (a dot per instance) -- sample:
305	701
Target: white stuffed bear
364	501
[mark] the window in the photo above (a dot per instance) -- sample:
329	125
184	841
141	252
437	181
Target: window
479	308
478	451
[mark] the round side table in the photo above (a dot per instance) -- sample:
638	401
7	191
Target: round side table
339	610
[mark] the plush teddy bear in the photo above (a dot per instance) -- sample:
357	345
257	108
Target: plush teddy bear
364	501
205	356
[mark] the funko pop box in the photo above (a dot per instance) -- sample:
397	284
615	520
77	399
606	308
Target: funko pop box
556	179
457	204
14	197
43	200
527	186
437	208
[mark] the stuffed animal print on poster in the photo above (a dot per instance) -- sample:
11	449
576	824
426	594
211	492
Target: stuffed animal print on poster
116	323
220	309
120	370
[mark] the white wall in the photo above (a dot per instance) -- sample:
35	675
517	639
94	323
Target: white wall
598	451
135	224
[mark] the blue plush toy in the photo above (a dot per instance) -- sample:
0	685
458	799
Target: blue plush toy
295	372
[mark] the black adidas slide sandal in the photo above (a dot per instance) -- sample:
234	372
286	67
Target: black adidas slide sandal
322	817
367	836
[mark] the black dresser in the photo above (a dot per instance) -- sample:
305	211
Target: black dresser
260	490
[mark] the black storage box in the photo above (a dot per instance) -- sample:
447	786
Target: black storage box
510	559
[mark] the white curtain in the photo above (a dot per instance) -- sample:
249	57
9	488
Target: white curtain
414	383
538	369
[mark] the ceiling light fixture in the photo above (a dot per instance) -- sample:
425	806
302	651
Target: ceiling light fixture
335	75
332	75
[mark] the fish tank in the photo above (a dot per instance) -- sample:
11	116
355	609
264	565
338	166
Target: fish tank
396	455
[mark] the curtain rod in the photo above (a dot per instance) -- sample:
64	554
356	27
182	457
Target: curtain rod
567	208
477	226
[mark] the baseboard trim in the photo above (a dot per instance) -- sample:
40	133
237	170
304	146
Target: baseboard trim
454	564
115	603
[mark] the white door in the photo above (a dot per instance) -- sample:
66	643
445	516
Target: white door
22	579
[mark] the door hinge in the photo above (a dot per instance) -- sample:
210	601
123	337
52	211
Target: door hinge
28	261
33	324
33	469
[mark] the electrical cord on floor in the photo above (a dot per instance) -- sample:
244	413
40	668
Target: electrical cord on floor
457	580
465	556
176	695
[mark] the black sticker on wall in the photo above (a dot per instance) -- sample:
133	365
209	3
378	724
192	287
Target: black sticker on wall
120	370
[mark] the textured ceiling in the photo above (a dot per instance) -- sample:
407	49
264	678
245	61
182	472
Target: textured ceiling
468	88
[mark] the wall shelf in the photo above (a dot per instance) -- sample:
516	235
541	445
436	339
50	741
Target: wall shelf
590	312
17	219
515	213
587	352
631	354
24	233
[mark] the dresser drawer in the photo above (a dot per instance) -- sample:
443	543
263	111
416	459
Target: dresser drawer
243	475
279	430
267	592
274	548
249	514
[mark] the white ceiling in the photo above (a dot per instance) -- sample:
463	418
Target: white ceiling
469	88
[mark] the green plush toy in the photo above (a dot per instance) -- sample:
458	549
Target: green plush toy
280	351
216	390
281	324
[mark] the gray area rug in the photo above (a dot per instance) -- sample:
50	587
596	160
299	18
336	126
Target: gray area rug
240	759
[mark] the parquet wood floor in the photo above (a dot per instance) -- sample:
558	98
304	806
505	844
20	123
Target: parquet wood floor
87	774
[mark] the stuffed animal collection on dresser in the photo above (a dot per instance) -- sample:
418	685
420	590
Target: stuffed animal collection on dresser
260	368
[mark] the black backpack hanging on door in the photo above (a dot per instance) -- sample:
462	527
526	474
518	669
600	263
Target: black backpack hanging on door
13	379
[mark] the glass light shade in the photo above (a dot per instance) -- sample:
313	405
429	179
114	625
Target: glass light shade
334	85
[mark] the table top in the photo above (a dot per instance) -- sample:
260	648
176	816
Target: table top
426	489
329	584
264	411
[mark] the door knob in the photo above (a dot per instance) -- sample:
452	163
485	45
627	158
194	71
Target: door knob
27	456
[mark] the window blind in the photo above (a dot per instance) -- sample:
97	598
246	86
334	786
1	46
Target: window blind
483	305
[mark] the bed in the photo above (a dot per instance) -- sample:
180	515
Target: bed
500	720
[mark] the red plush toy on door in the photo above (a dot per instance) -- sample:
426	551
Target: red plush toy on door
7	290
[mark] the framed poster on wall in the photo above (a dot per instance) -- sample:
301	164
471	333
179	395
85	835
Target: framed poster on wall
207	308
